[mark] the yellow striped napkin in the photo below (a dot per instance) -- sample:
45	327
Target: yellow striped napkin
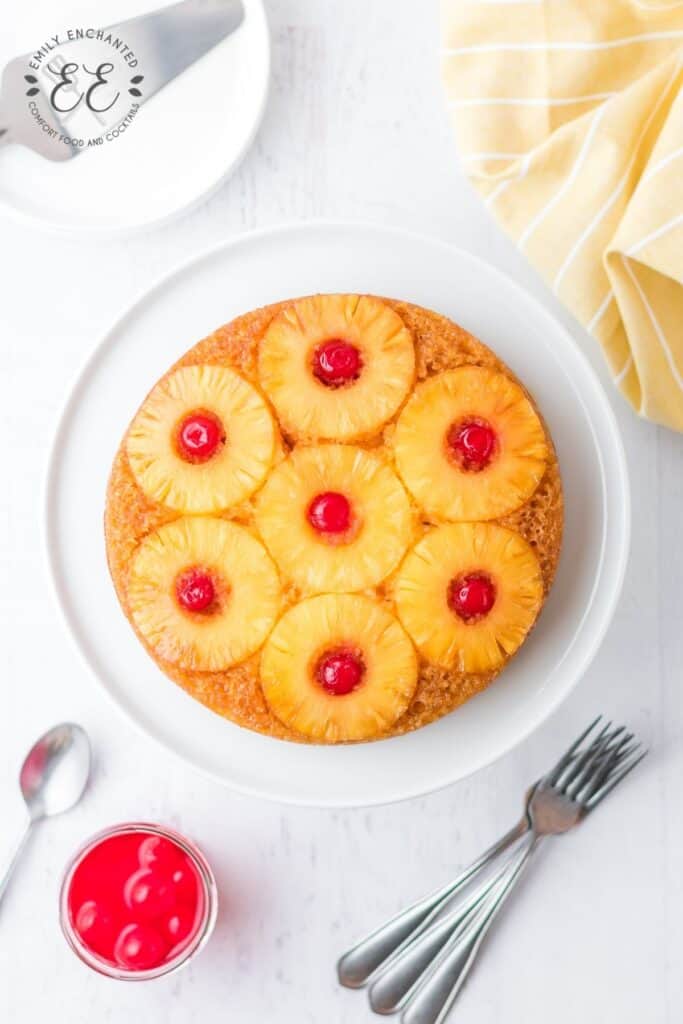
569	116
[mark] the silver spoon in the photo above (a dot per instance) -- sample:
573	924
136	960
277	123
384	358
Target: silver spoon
52	779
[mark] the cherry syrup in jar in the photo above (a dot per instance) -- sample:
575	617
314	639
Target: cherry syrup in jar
137	901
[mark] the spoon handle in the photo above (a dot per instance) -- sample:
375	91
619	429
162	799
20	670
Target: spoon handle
15	857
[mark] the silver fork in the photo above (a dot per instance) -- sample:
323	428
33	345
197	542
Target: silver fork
420	959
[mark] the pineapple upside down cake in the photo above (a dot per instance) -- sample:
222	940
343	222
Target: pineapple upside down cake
335	519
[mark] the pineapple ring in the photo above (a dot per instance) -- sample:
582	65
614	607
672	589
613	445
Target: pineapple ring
318	624
311	410
382	521
448	552
246	577
234	472
441	486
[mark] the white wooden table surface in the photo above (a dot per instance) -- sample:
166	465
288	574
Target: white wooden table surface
355	129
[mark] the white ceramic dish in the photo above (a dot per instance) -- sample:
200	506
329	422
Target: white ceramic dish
183	145
262	268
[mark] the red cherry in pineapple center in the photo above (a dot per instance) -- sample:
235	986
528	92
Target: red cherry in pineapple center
471	596
336	362
473	443
340	672
195	590
199	437
330	512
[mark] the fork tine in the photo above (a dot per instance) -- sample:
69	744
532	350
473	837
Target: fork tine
577	766
590	765
603	772
627	751
609	743
599	769
614	753
603	737
606	774
612	746
607	769
566	759
596	753
625	748
614	781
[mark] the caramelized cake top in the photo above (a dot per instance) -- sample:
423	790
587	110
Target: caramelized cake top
336	518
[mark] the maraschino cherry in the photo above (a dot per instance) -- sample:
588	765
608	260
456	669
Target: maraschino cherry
139	947
135	900
199	437
157	852
330	512
340	672
473	443
472	596
179	924
195	590
94	925
337	362
149	894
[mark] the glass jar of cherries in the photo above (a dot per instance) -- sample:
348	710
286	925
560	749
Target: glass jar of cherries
137	902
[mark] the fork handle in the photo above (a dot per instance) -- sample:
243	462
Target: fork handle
408	969
434	999
357	966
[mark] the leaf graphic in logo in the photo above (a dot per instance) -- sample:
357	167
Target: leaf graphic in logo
33	92
31	79
135	81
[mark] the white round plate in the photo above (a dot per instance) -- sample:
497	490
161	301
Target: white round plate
183	144
274	265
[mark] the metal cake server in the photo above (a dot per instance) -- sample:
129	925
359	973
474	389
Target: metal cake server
80	85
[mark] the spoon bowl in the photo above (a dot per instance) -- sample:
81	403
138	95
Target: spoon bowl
56	770
52	779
